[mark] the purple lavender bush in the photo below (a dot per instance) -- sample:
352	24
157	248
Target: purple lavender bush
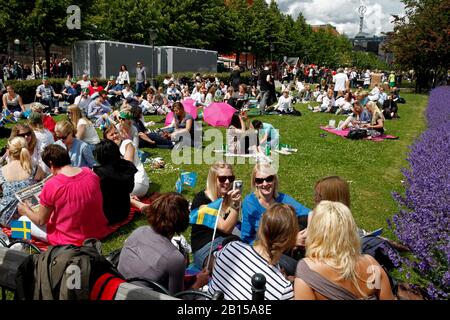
423	222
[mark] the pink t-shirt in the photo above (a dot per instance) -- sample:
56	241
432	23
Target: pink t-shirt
77	208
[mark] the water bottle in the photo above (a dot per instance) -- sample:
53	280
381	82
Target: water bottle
267	149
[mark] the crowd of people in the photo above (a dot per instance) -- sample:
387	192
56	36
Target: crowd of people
93	181
16	70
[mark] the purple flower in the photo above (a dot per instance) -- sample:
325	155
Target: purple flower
423	220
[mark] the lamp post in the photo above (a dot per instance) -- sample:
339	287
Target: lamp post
16	45
249	51
153	36
272	49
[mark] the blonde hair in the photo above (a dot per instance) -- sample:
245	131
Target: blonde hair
22	127
333	239
277	231
18	150
76	115
266	170
372	106
36	107
211	181
65	127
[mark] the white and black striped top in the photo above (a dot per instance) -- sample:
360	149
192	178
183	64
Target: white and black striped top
235	265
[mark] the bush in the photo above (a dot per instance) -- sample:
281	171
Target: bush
27	88
424	218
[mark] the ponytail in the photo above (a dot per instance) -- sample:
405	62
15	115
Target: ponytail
25	160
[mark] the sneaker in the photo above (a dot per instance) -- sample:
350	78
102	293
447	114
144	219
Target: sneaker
310	108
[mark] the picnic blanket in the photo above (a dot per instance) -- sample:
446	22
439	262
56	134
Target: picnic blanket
43	246
344	133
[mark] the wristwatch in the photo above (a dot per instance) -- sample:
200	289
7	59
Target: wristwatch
235	207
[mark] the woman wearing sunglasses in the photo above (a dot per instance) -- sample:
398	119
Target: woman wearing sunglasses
265	185
219	184
79	151
34	146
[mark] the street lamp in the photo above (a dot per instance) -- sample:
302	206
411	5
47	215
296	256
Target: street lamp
249	51
153	36
16	46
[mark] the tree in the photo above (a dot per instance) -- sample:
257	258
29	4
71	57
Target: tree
421	40
45	22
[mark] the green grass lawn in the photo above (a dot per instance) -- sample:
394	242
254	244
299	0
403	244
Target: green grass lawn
372	168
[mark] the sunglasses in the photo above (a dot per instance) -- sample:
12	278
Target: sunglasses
24	135
268	179
223	179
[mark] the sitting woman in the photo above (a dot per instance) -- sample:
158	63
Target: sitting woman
47	120
390	108
13	102
80	152
334	268
376	125
268	137
181	127
237	262
126	128
19	173
129	152
240	138
353	119
219	185
34	148
84	127
149	253
116	180
70	208
265	185
43	135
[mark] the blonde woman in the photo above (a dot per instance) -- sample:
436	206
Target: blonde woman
377	120
79	151
25	131
219	184
19	173
43	135
334	268
265	193
85	130
237	262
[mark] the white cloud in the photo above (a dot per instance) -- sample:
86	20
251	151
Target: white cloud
343	13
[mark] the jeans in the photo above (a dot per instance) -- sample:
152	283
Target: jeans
139	87
51	102
202	254
264	98
365	116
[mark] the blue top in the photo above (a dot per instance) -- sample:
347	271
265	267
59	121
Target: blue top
272	135
80	153
252	212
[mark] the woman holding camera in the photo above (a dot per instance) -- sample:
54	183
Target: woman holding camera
218	185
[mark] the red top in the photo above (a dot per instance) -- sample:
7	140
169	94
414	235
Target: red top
49	123
93	90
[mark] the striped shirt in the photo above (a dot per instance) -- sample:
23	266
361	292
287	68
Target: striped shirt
235	265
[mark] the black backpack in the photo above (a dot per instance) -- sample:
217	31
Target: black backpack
357	134
51	275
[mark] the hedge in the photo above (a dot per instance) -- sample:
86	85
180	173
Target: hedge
27	88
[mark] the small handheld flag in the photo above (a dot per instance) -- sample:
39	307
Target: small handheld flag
206	215
189	178
179	186
21	230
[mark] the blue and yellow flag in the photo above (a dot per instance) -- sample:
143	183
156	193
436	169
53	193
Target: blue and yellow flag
21	230
206	215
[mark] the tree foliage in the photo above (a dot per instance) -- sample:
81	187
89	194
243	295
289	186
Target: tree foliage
230	26
421	40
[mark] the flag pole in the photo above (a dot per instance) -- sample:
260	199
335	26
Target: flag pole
214	235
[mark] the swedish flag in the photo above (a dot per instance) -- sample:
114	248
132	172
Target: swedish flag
21	230
206	215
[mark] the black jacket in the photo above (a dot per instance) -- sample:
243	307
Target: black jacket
116	182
